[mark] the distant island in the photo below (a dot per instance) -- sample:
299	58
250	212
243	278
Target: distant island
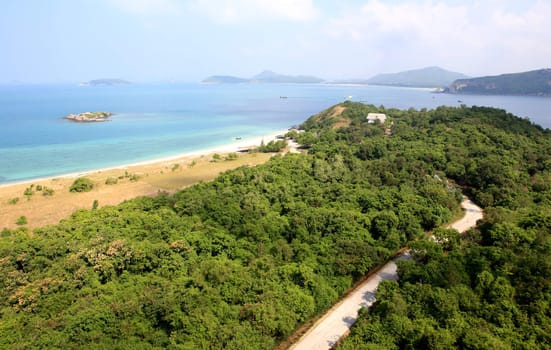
105	82
534	83
224	79
88	117
265	77
424	77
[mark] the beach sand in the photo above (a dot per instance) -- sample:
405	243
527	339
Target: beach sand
148	178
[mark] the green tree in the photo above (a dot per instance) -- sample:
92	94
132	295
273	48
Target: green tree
82	184
22	220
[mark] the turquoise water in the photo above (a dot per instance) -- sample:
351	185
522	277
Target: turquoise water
154	121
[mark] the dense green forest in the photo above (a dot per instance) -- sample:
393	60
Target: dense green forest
240	262
489	289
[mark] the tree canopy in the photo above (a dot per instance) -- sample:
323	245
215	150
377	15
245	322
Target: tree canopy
240	262
489	289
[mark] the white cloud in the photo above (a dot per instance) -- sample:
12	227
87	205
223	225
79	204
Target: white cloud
235	11
425	21
494	36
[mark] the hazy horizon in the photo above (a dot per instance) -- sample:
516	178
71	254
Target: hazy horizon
63	41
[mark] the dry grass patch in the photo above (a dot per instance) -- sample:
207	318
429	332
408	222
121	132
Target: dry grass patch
132	181
334	115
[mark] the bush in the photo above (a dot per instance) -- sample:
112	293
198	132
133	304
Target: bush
232	156
47	191
28	192
272	146
82	184
13	201
111	181
21	221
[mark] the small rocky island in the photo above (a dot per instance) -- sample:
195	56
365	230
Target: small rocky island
87	117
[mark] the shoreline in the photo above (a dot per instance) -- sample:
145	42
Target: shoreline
127	181
230	147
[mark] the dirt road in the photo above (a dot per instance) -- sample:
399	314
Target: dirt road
336	322
473	213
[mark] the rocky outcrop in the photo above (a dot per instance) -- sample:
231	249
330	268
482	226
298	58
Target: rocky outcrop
88	117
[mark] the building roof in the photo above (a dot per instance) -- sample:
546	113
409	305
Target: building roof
371	117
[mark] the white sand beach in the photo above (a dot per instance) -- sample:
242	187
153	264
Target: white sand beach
235	146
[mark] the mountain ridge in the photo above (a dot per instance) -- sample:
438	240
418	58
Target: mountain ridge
432	76
535	82
264	77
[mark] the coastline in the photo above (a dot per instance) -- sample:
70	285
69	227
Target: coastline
112	185
223	149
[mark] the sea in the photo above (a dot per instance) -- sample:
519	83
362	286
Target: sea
160	120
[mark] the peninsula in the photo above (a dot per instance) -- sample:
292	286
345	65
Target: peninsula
244	260
88	117
532	83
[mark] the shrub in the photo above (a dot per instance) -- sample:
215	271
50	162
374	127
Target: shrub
175	167
231	156
272	146
82	184
28	192
13	201
47	191
21	221
95	204
111	181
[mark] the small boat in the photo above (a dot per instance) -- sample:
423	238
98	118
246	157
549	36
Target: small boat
282	96
238	138
459	101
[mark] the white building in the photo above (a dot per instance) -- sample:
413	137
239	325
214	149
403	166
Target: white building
371	117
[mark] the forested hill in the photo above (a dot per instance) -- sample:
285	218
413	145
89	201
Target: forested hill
265	77
489	289
536	82
240	262
424	77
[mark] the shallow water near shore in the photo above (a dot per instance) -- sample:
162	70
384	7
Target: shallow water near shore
160	120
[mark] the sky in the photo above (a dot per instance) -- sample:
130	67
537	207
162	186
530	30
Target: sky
62	41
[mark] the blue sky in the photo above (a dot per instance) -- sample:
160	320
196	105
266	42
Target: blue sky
187	40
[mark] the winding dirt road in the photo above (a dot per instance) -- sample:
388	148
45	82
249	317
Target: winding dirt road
336	323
